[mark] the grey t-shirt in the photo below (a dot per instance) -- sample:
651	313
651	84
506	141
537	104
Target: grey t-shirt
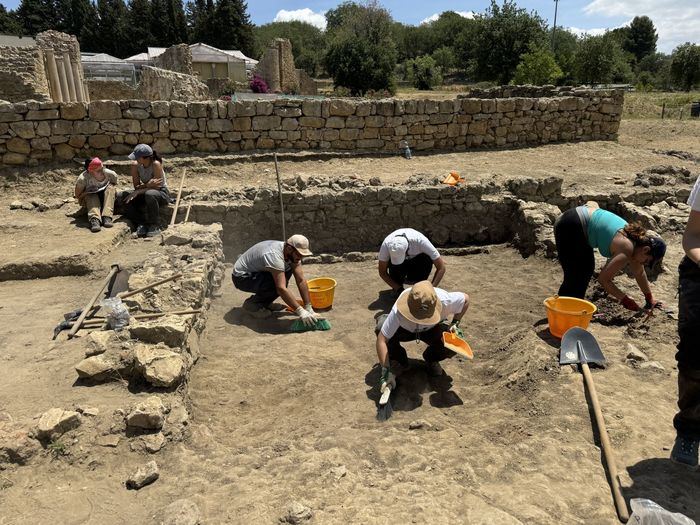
146	174
262	257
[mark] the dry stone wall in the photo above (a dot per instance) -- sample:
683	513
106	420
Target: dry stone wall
22	75
176	58
31	132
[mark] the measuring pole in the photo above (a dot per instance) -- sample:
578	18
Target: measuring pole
279	190
554	28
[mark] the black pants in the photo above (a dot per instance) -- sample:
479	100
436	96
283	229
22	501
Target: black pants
436	350
145	208
411	270
687	420
574	253
261	284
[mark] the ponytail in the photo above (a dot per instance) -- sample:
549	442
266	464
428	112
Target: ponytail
636	233
157	157
87	163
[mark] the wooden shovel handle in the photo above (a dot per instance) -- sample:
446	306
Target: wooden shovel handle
78	323
620	503
125	295
179	194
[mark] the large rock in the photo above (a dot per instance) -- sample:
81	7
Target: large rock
112	364
159	366
143	476
181	512
171	330
105	110
147	415
16	445
55	422
297	513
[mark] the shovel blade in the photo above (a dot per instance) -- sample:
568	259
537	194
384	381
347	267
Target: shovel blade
580	346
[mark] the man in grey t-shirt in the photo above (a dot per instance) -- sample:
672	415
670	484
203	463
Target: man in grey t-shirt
265	269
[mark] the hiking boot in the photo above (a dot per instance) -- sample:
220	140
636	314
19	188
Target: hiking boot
434	369
95	225
277	307
107	222
141	230
256	309
685	451
153	231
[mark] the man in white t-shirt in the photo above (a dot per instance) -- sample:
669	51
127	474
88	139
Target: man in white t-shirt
421	313
407	256
687	420
264	270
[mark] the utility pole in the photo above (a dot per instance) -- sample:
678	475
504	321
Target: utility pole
554	28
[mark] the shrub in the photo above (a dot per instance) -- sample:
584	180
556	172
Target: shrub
258	85
423	72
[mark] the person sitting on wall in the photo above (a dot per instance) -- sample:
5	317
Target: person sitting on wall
420	313
407	256
95	190
578	231
150	190
264	270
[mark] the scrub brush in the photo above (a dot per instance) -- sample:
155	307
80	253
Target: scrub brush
321	324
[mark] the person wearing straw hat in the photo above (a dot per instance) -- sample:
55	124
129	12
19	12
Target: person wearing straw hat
421	313
95	190
407	256
265	269
578	231
150	190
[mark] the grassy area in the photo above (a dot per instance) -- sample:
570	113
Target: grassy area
649	105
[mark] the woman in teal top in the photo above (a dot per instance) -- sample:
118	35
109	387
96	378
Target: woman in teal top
581	230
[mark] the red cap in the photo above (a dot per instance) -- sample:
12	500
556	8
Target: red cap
95	164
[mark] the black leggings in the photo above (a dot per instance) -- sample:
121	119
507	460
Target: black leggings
411	270
574	253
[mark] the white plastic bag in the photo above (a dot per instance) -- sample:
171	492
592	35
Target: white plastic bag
117	315
646	512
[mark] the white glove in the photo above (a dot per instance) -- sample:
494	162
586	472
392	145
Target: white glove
310	309
387	379
308	318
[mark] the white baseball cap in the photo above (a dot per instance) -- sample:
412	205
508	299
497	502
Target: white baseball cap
398	246
300	244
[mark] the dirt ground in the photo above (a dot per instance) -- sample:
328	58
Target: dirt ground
279	417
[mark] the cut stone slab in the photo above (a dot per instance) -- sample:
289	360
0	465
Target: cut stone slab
99	341
159	366
56	422
143	476
181	512
147	415
171	330
152	443
107	366
111	440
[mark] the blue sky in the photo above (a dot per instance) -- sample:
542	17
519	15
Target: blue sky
677	21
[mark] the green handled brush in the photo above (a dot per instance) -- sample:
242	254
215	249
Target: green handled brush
321	324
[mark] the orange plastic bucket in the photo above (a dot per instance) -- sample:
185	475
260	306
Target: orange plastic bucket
453	179
566	312
321	291
454	343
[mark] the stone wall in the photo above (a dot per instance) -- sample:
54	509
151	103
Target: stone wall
161	84
307	85
22	74
111	90
277	67
526	91
107	128
59	43
176	58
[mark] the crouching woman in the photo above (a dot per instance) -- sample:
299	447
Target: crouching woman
95	190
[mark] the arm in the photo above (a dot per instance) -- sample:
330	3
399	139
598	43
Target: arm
135	176
641	277
691	237
282	290
440	267
384	274
458	317
382	350
157	179
302	284
609	272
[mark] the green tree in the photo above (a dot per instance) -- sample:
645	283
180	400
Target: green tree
308	42
231	27
112	36
600	60
506	33
177	24
423	72
565	44
442	32
537	67
445	58
655	69
9	24
642	37
685	66
77	18
200	16
361	54
36	16
139	23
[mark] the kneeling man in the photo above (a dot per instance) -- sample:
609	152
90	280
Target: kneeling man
407	256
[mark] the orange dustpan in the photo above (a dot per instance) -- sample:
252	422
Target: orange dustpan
453	179
457	345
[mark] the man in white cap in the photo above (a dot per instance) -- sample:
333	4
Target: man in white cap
407	256
265	269
421	313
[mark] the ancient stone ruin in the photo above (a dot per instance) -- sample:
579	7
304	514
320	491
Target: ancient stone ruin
277	68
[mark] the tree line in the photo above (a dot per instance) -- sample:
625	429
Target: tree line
364	49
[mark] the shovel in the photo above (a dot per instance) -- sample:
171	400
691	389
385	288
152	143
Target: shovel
578	346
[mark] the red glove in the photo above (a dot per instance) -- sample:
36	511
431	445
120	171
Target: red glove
629	303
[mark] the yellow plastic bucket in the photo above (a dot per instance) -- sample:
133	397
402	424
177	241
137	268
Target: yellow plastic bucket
321	291
566	312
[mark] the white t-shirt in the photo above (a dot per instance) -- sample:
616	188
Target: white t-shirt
417	244
452	303
694	199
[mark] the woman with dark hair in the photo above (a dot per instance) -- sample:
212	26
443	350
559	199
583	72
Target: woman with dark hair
580	230
151	190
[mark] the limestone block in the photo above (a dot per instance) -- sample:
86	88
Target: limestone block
354	121
335	122
312	122
41	143
159	366
14	159
136	113
290	124
504	105
363	109
55	422
18	145
218	125
266	122
160	108
99	141
183	124
178	109
265	143
488	106
10	117
341	107
104	110
288	112
149	125
66	152
61	127
206	145
73	110
171	330
163	145
385	108
370	143
568	104
311	108
46	114
23	129
242	124
277	134
181	512
147	415
374	121
349	134
440	118
331	134
120	149
86	127
143	476
263	108
242	109
478	127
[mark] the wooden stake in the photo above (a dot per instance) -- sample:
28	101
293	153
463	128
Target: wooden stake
187	215
149	286
96	323
279	190
88	307
179	194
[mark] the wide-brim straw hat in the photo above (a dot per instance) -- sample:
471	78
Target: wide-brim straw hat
420	304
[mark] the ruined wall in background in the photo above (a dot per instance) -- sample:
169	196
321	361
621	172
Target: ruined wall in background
59	43
22	75
176	58
110	90
107	128
161	84
277	67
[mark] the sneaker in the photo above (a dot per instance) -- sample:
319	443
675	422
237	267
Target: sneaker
153	231
141	230
277	307
434	368
256	310
685	451
107	222
95	225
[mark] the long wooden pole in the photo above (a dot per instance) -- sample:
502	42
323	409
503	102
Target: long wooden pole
179	194
187	215
88	307
95	323
279	190
149	286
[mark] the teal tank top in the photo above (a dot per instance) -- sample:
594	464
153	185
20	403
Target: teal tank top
602	228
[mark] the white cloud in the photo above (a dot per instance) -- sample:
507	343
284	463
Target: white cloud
435	16
593	32
676	21
302	15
